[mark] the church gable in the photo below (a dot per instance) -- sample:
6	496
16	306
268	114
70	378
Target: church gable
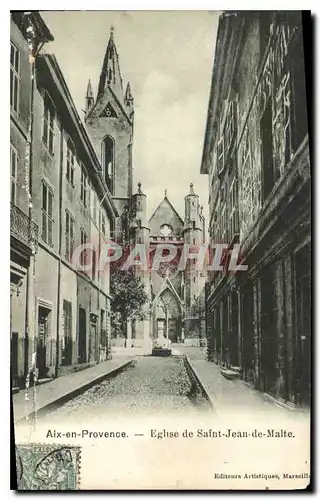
165	221
107	106
109	111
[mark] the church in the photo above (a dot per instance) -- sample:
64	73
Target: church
175	308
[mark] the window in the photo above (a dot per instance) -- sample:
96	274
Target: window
83	186
108	162
223	223
103	223
299	116
14	173
83	241
166	230
233	211
220	155
14	77
70	224
93	204
70	170
47	214
230	126
267	150
48	123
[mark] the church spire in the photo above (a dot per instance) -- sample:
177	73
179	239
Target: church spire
129	100
89	99
110	73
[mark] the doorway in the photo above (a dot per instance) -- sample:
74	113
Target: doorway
67	337
93	338
248	353
234	336
269	329
172	330
43	333
303	313
82	341
14	358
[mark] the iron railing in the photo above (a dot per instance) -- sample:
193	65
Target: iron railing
23	228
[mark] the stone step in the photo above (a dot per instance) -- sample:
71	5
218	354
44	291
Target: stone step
41	381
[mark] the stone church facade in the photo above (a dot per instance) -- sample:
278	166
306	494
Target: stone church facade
174	296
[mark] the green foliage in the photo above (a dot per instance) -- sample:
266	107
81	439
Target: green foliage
128	298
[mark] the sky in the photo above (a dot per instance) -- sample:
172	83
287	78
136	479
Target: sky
168	57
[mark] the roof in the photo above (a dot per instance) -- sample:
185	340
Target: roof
165	199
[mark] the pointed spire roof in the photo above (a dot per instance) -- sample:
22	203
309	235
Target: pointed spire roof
129	100
110	73
128	93
89	99
191	191
89	93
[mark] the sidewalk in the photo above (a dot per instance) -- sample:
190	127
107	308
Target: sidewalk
233	396
65	387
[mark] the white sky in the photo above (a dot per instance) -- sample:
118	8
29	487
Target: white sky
167	56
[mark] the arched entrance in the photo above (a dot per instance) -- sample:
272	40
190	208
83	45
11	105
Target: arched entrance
167	316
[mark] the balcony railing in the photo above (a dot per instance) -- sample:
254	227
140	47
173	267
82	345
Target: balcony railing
23	229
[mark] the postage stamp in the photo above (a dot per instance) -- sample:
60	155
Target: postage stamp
47	467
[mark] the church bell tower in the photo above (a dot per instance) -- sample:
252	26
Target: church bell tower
109	121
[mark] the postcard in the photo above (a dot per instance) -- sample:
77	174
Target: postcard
160	245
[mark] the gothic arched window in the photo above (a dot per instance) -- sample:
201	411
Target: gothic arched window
108	158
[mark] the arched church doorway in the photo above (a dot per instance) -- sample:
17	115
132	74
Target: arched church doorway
167	317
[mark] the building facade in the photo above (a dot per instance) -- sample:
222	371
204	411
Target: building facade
72	207
27	35
60	315
256	156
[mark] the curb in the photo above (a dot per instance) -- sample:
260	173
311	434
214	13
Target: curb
194	376
75	392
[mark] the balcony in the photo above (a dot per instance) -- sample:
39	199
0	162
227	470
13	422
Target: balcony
23	231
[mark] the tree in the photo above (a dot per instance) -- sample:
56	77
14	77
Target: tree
128	298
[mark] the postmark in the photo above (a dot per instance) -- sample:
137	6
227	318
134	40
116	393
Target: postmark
47	467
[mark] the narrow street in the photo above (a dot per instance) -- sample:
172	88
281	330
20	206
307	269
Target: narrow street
148	385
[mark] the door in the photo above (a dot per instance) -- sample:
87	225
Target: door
248	354
303	301
103	337
269	329
43	330
14	358
67	337
172	330
93	338
82	343
234	343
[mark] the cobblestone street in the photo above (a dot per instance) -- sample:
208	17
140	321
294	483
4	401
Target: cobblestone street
149	384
